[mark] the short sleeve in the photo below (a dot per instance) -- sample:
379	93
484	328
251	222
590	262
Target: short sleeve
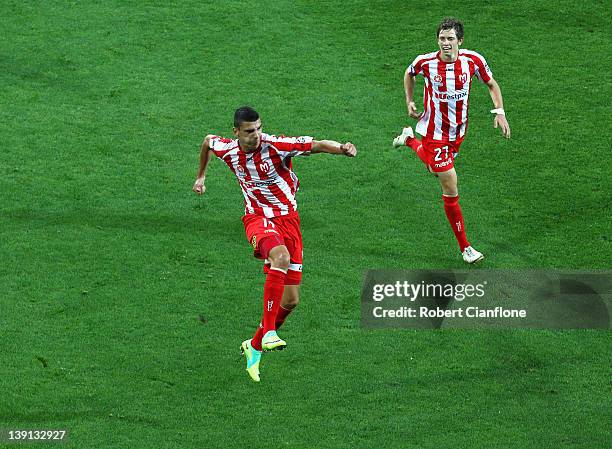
218	145
482	69
416	67
292	146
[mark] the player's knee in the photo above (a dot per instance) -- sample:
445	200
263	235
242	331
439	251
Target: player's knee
279	258
448	182
450	191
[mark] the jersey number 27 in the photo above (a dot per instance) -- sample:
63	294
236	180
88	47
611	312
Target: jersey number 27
439	152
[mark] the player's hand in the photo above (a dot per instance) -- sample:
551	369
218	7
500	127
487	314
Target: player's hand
348	149
412	110
500	120
199	187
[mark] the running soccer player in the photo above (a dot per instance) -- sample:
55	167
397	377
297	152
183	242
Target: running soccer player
262	165
448	79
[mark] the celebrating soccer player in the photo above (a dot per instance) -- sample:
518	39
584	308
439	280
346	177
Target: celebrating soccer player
262	165
443	123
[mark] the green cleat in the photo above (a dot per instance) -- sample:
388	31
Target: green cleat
253	356
272	342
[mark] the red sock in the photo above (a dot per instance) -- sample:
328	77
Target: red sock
256	340
417	147
273	293
455	218
413	143
281	316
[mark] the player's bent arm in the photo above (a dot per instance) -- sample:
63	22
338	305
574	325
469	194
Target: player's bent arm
498	105
409	86
205	155
333	147
409	83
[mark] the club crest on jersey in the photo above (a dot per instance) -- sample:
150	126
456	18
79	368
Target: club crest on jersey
240	169
264	167
463	78
437	78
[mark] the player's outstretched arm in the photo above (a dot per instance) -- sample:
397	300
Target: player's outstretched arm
205	154
333	147
498	105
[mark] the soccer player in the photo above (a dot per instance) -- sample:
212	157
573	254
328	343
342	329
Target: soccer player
262	165
443	123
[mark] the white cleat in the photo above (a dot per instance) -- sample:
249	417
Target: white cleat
272	342
470	255
401	139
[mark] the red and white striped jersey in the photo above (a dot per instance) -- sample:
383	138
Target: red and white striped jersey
446	92
268	184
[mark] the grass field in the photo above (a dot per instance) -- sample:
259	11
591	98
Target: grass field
124	297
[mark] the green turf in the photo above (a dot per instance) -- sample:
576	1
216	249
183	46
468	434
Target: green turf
124	297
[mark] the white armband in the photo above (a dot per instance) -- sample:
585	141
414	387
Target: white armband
499	111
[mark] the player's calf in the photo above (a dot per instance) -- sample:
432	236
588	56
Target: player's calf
407	138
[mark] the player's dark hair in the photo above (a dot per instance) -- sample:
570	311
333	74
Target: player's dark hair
450	23
245	114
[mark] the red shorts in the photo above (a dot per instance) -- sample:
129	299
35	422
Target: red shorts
266	233
440	154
